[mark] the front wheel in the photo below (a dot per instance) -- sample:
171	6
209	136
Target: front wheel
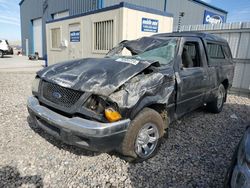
217	105
144	136
1	54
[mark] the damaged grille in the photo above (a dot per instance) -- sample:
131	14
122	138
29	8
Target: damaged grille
60	95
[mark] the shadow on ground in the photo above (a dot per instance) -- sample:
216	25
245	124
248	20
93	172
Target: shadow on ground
198	151
7	56
59	144
11	177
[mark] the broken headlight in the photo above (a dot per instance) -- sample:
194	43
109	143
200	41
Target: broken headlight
95	104
112	115
103	107
35	85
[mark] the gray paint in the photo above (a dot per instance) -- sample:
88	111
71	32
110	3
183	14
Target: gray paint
155	4
141	83
32	9
238	37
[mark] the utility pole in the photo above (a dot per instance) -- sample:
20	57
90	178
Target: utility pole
181	14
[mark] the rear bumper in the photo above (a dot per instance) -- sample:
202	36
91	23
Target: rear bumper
7	52
77	131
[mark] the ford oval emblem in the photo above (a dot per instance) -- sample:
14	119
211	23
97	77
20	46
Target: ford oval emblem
56	95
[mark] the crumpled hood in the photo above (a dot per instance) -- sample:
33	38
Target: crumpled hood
97	75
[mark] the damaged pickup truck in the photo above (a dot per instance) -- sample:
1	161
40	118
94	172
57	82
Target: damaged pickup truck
126	101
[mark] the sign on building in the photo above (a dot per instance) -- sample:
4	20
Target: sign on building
75	36
213	18
149	25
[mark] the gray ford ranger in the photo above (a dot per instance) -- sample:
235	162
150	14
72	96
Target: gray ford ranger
126	101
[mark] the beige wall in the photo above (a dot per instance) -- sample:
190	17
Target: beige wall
132	24
127	26
86	26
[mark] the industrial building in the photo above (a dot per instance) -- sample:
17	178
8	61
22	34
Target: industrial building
36	13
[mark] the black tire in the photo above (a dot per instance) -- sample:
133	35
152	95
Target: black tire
228	177
1	54
216	106
146	117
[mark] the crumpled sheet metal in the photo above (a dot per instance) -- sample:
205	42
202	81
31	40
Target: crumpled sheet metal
154	87
140	45
99	76
122	80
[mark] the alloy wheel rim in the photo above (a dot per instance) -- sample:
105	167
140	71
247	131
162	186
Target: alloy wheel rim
220	97
146	140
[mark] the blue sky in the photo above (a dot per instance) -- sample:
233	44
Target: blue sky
10	20
238	10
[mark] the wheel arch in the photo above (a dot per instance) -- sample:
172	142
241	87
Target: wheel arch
158	107
225	83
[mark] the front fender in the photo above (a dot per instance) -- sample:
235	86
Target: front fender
159	102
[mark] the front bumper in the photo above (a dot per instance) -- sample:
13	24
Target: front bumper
77	131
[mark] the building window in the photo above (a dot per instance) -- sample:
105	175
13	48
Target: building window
103	35
56	37
215	51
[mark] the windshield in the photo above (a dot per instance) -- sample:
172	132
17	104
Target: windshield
146	48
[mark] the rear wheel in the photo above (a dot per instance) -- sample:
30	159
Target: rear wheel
144	136
217	105
1	54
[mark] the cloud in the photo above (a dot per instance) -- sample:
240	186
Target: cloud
3	7
207	1
9	19
9	22
9	12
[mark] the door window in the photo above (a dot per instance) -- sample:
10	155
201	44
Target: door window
215	51
191	55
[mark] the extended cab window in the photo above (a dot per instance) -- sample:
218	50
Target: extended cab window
215	51
227	51
191	55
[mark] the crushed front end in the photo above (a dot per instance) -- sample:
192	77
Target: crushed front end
75	117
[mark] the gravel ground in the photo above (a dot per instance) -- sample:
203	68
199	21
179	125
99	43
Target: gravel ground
196	154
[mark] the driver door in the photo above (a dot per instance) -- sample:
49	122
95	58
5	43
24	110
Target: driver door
193	76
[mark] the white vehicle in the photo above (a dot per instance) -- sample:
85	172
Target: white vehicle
5	49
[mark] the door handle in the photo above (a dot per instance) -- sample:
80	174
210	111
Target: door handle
205	77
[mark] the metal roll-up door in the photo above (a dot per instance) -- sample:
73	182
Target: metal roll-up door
37	36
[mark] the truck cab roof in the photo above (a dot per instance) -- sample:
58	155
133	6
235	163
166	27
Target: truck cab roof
205	36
